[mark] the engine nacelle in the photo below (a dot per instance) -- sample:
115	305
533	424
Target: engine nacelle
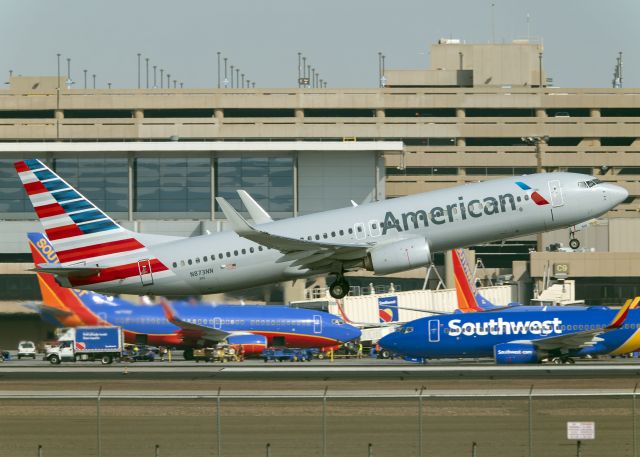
399	256
252	344
508	353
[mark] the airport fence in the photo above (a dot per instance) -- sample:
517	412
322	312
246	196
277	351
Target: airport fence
517	422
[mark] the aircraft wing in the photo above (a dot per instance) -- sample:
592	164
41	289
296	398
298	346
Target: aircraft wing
200	331
302	252
584	338
58	270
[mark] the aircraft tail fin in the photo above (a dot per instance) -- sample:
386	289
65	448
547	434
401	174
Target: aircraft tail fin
77	229
619	319
72	307
465	286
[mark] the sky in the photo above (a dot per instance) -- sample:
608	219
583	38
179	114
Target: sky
340	38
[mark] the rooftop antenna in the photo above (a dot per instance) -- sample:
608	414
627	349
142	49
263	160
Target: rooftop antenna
617	72
528	27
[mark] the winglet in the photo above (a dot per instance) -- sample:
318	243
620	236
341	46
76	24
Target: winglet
238	223
621	316
258	214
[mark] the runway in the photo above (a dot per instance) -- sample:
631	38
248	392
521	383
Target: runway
319	370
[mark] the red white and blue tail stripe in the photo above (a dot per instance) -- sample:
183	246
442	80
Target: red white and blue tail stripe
81	234
77	229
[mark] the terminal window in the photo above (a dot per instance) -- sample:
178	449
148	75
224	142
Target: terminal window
269	180
172	187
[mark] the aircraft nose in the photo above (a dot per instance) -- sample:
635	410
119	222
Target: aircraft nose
389	341
353	333
616	194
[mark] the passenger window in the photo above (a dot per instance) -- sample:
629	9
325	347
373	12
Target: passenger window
228	254
251	250
259	248
190	262
175	264
309	237
220	256
317	237
324	235
182	263
244	251
350	231
205	258
235	253
197	259
341	232
333	234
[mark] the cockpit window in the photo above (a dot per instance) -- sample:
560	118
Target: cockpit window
405	330
590	183
337	321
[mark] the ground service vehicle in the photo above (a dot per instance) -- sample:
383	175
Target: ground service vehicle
87	344
26	349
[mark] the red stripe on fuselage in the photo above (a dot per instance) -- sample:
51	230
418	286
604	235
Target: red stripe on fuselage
53	209
66	231
33	188
100	249
539	199
118	272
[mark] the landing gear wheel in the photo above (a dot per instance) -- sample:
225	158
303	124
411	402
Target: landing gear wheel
339	288
574	243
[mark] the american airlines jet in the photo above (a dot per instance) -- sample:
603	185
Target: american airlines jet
385	237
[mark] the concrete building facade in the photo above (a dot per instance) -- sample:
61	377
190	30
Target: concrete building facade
465	119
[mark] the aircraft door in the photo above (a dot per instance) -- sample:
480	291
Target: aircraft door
434	330
317	324
217	323
555	190
359	230
144	269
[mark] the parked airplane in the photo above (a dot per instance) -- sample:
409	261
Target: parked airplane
185	324
386	237
521	337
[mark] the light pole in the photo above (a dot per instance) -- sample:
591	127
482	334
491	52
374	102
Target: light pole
147	70
161	78
139	70
237	77
85	78
299	68
218	69
232	76
94	80
168	81
226	80
154	76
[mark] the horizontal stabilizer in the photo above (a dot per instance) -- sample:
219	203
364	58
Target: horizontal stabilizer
57	269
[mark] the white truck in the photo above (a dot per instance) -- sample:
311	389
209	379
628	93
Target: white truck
87	344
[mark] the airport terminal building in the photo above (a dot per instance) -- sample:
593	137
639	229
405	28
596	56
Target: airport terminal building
155	158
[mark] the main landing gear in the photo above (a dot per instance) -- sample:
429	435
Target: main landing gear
562	360
339	288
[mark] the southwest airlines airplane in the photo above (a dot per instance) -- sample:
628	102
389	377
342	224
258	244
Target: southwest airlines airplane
385	237
184	324
527	336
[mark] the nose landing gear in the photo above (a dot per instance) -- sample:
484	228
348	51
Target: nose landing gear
574	243
339	288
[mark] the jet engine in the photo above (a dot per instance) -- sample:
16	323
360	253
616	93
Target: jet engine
509	353
252	344
398	256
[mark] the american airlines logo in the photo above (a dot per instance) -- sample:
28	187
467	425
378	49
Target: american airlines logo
460	210
501	327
